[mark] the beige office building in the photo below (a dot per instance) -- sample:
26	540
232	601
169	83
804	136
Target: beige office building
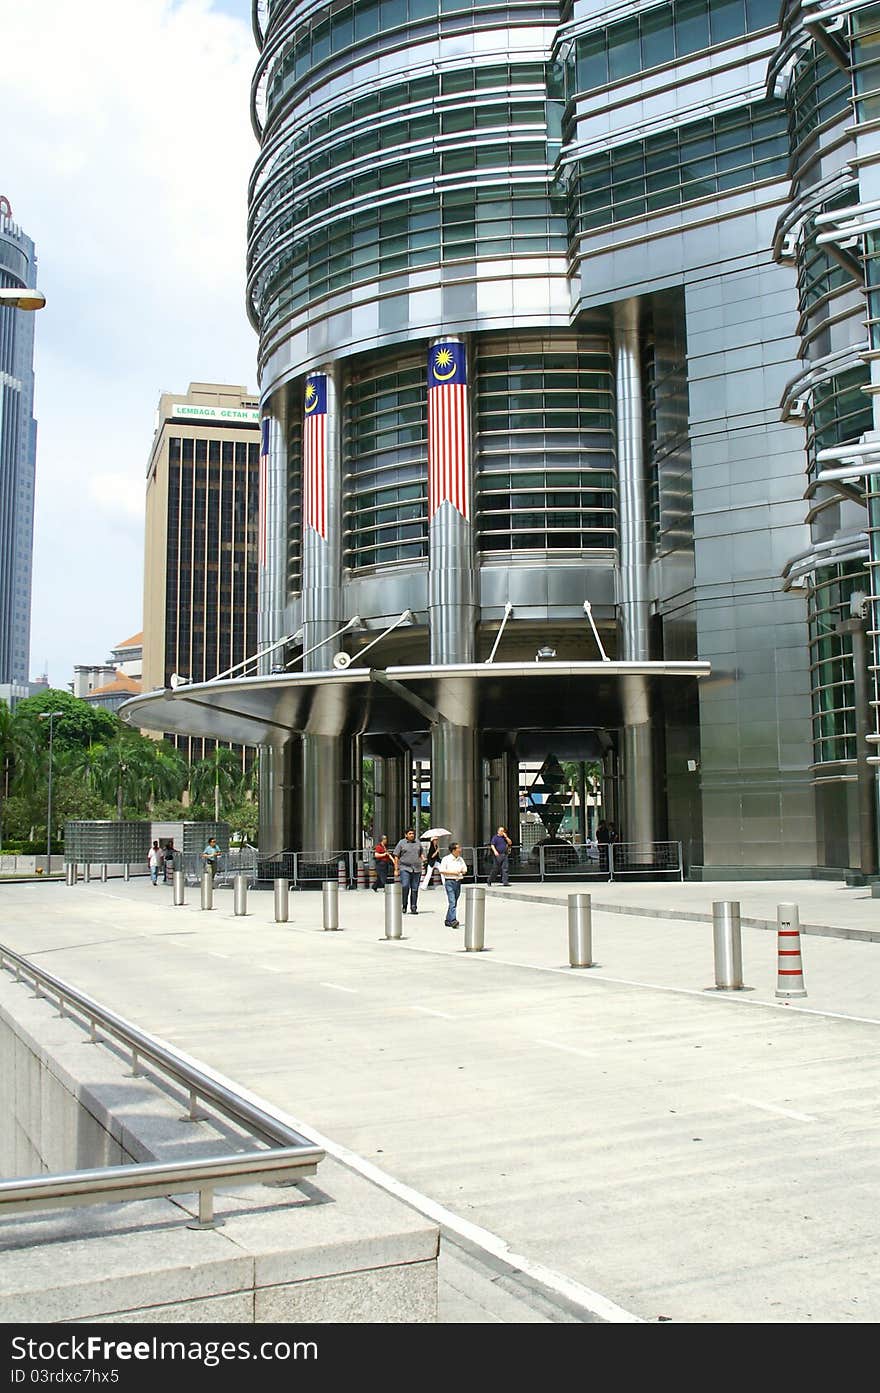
200	557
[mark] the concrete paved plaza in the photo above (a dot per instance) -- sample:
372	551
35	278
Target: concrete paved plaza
680	1152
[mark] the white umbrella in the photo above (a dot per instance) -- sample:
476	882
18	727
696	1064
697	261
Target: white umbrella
434	832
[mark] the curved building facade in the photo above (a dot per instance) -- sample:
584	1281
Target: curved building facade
550	348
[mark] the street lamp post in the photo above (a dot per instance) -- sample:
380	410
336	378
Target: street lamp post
49	716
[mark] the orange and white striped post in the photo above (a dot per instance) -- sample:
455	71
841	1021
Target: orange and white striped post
790	971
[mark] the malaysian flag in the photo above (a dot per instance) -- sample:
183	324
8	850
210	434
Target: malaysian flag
448	448
315	454
264	484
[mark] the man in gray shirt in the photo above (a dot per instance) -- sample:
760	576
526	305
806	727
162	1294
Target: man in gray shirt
408	859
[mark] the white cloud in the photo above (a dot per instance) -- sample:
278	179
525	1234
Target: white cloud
129	169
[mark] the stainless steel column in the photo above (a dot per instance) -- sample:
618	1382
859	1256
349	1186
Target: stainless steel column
323	802
393	912
633	575
330	904
282	900
727	942
273	525
391	809
240	890
580	930
276	820
278	795
323	820
179	887
455	780
452	590
207	889
474	897
503	805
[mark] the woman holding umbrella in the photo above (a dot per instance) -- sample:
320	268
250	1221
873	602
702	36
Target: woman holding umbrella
432	852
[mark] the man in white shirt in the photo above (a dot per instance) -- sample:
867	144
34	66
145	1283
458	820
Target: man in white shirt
453	869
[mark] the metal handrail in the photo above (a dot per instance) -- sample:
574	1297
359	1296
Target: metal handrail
291	1156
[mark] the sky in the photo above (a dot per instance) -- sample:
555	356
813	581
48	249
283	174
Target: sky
125	151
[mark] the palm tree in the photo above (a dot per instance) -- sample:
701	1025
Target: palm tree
123	771
28	750
218	777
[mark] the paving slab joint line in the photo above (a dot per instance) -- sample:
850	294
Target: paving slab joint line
646	912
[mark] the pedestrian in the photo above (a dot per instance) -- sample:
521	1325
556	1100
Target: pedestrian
432	858
384	861
154	861
602	839
453	869
210	855
499	853
168	861
408	858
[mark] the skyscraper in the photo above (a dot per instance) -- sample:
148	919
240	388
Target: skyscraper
200	560
642	241
18	453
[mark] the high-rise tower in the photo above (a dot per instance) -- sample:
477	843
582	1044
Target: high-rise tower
18	451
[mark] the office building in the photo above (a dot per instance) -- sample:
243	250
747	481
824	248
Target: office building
18	453
200	559
564	312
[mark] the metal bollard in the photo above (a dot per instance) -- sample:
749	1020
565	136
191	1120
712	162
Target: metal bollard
87	871
70	872
282	901
580	931
393	915
207	889
179	887
331	904
475	917
239	905
126	871
104	872
727	939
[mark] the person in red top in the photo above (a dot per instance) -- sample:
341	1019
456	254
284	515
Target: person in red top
384	861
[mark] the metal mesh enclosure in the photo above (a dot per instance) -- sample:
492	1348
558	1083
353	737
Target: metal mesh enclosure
125	843
196	834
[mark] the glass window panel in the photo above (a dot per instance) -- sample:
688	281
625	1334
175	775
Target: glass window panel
658	37
592	63
727	20
691	26
762	14
366	19
624	53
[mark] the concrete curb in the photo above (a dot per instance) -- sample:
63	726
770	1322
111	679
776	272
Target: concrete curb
645	912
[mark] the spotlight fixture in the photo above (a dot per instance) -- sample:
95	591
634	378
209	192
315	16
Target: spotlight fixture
545	654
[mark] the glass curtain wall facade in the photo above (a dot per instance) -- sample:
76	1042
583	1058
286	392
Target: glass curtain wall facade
825	71
607	226
18	450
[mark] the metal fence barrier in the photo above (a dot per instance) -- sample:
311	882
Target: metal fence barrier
547	860
648	859
237	861
564	861
292	1156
